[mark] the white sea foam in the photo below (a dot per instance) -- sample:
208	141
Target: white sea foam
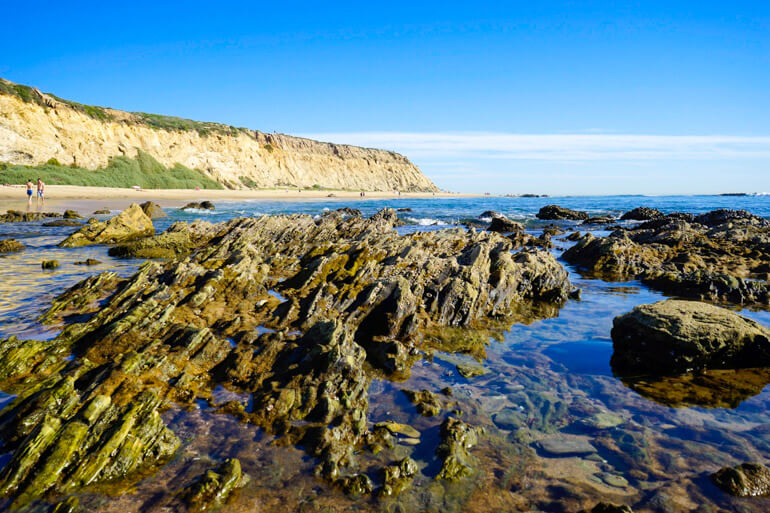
200	211
426	221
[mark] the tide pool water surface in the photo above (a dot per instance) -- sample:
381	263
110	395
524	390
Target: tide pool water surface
561	432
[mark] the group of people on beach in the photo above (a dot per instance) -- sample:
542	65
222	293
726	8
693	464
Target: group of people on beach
40	192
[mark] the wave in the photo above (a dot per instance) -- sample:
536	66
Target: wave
426	221
200	211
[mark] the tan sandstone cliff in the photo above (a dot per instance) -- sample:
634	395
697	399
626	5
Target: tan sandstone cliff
35	127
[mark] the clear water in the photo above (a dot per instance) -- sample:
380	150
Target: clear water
554	374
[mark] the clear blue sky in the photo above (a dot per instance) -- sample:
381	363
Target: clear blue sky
527	97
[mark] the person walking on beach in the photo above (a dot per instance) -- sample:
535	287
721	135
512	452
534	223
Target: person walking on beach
40	192
29	192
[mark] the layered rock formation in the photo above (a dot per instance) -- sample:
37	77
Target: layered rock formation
45	127
296	313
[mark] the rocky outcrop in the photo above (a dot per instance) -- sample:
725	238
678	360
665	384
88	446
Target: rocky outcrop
673	336
130	224
343	299
642	214
153	210
555	212
745	480
728	262
45	127
196	205
10	246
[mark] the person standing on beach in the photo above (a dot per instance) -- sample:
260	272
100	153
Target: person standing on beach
40	192
29	192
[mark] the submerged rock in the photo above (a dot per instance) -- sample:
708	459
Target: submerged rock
555	212
642	214
674	336
49	264
11	246
153	210
457	438
212	489
398	476
562	446
744	480
427	402
606	507
130	224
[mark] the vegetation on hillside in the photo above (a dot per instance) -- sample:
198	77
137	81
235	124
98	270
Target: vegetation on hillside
143	171
169	123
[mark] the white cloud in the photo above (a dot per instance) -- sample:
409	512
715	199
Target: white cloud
557	147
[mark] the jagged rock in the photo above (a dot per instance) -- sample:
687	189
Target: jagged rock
723	215
574	236
398	476
49	264
642	214
457	438
165	245
212	489
62	222
729	262
673	336
69	505
555	212
338	292
130	224
745	480
350	211
17	216
606	507
427	402
153	210
203	205
71	214
502	224
11	246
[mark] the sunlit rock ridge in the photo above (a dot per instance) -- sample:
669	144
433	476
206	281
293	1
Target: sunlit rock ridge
36	127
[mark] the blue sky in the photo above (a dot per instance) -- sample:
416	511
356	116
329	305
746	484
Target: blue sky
552	97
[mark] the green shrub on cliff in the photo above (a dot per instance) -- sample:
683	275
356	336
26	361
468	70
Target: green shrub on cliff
143	171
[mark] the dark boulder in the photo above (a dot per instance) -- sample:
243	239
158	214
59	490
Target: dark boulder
504	225
642	214
555	212
723	215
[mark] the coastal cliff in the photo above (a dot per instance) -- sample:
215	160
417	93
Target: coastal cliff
36	127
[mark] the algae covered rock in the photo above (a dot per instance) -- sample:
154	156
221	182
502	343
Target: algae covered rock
10	246
555	212
427	402
744	480
165	245
356	485
398	476
17	216
71	214
153	210
674	336
102	212
50	264
130	224
457	438
212	489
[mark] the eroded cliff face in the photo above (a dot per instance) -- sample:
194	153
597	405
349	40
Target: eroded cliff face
31	132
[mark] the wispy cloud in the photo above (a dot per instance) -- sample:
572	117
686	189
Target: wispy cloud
558	147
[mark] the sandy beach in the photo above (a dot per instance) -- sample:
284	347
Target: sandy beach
59	197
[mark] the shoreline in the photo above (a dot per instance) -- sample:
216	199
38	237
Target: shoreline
60	197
